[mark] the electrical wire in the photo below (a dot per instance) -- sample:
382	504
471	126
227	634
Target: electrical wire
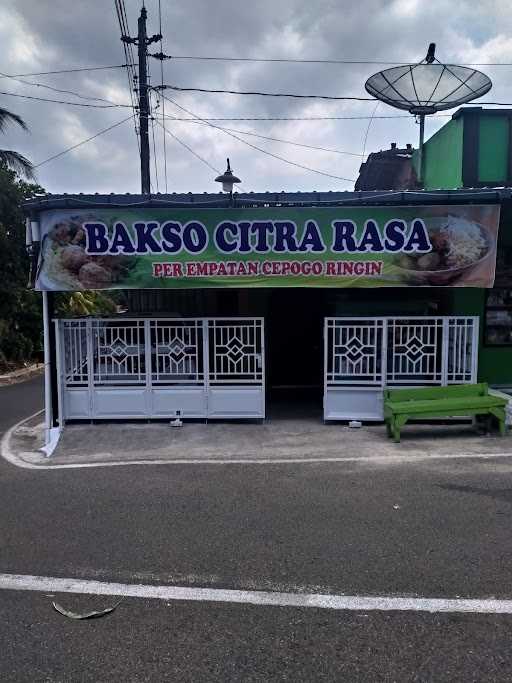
82	142
368	129
164	138
59	90
296	118
73	104
152	122
130	61
265	94
154	153
69	71
298	95
259	149
184	144
275	60
271	139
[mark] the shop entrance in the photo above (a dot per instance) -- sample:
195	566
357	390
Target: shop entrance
294	322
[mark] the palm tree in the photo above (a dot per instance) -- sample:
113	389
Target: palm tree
14	160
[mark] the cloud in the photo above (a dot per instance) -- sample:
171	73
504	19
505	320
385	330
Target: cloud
40	35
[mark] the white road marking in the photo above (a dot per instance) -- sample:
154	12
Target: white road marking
8	454
22	582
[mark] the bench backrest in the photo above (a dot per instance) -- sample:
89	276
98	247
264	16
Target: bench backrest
431	393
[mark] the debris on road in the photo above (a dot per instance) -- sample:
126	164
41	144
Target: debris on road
85	615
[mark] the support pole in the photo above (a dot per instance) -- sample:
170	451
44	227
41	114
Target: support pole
143	104
420	149
48	420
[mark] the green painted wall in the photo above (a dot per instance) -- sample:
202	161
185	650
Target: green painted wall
442	157
493	149
494	362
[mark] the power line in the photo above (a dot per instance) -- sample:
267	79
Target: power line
298	95
264	94
271	139
154	154
73	104
184	144
274	60
259	149
152	120
365	139
49	87
82	142
297	118
164	138
71	71
130	59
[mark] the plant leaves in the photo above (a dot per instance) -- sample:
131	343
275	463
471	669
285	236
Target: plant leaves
85	615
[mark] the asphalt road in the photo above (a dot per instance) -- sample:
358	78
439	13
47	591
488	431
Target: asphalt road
330	528
20	400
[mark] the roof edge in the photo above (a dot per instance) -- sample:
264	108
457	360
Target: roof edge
239	200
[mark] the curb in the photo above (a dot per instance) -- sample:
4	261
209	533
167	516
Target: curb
21	375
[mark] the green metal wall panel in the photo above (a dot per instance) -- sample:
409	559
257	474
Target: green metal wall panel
442	157
494	363
493	149
443	163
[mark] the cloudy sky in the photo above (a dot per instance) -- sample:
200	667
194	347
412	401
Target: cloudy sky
44	35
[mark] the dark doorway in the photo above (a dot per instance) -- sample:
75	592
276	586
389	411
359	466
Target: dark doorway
294	324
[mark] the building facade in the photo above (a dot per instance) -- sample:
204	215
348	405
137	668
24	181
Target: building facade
234	305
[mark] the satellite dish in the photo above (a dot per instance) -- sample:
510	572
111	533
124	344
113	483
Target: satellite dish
428	87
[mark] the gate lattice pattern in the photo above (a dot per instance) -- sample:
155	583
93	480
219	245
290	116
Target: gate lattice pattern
364	355
394	351
208	366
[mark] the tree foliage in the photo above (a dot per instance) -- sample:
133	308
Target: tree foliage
14	160
21	331
20	308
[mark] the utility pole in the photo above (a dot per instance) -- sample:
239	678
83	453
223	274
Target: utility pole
142	42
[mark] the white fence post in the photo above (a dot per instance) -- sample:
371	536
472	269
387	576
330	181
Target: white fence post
445	344
90	366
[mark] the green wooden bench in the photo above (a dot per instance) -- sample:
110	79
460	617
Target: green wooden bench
456	400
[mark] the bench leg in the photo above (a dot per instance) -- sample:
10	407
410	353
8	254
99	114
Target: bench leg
400	421
499	414
396	434
389	430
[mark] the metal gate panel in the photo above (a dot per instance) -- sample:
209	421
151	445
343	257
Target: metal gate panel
364	355
178	379
236	379
143	368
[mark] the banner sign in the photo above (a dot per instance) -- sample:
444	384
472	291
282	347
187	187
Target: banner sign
149	248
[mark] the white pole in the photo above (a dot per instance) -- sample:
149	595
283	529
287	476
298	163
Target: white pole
420	151
47	372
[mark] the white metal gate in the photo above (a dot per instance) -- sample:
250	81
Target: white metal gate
157	368
364	355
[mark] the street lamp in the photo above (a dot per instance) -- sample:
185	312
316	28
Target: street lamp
228	180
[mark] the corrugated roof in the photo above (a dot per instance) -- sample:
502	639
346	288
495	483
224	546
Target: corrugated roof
254	199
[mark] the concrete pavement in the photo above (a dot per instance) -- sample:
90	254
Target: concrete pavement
282	439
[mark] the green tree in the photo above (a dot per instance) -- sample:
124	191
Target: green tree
20	308
10	159
87	302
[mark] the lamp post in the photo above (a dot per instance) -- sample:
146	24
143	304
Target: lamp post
228	179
